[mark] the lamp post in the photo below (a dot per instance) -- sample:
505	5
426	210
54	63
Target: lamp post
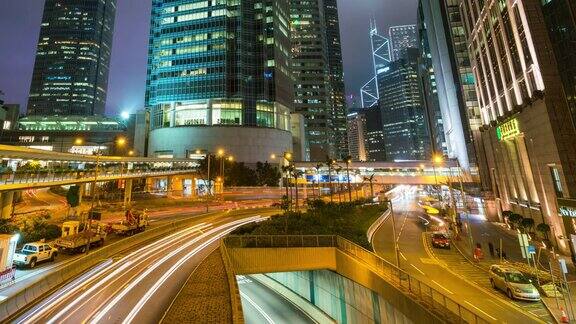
437	159
284	167
121	141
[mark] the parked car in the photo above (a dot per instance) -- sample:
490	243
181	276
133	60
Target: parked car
441	241
513	283
32	253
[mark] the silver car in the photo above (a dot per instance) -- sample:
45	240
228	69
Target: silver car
513	283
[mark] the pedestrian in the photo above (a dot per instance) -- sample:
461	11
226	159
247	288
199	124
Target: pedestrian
503	255
491	249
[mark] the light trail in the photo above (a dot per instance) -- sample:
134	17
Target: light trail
258	308
60	298
175	267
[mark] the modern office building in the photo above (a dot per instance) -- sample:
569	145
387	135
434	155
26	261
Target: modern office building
528	133
219	78
430	100
561	24
402	38
318	76
356	126
73	57
336	77
447	77
9	114
381	57
402	111
375	139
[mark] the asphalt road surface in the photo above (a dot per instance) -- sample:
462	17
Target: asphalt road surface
415	260
262	305
138	286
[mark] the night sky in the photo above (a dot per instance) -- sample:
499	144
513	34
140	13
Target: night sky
20	25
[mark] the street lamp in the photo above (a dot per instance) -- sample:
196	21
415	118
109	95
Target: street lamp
286	159
437	159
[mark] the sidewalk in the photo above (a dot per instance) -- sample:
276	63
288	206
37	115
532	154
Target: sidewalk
514	258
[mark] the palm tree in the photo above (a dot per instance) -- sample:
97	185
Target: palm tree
318	167
338	169
285	170
371	180
330	163
296	174
348	161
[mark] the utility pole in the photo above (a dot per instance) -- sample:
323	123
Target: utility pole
396	248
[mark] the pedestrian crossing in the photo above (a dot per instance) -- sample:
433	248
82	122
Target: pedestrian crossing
457	263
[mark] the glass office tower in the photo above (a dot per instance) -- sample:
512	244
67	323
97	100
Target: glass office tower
73	57
218	63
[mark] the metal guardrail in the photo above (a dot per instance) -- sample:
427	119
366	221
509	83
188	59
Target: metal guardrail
440	304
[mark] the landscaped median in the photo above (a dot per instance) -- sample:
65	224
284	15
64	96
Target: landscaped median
349	220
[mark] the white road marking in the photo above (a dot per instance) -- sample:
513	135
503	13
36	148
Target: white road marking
439	285
403	257
258	308
481	311
415	267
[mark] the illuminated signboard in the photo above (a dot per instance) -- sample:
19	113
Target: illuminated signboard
508	130
567	207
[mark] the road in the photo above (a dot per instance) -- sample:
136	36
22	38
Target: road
139	285
262	305
418	259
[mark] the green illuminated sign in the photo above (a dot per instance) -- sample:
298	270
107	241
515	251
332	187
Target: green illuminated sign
508	130
567	207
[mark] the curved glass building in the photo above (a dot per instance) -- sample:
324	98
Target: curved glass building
218	77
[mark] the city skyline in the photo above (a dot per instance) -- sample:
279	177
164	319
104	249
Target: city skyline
129	55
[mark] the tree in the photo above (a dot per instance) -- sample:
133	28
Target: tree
527	224
73	196
370	179
267	175
515	220
238	174
543	229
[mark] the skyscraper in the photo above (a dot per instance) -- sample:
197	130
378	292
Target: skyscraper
73	57
356	126
381	57
447	77
402	111
401	38
336	77
527	133
219	78
429	90
318	75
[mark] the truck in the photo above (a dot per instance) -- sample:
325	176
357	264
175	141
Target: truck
33	253
74	240
132	224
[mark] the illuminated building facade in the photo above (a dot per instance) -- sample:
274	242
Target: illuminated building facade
318	76
73	57
219	77
402	110
402	38
381	57
527	133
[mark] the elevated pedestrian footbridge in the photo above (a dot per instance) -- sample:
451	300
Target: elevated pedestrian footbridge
409	297
387	173
24	168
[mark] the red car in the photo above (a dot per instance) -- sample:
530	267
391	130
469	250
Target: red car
440	241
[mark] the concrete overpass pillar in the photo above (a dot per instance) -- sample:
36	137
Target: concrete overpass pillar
127	192
7	204
81	192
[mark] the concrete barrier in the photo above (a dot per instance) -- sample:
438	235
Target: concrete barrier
42	285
